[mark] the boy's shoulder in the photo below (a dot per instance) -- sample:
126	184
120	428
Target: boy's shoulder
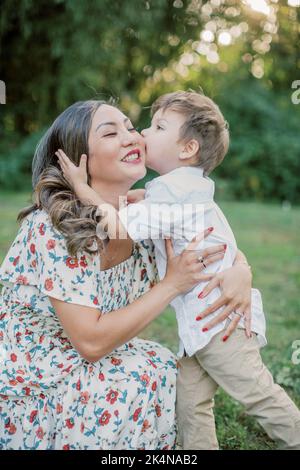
182	183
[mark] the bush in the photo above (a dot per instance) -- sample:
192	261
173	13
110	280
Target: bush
264	155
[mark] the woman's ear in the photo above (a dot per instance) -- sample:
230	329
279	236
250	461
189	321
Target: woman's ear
190	150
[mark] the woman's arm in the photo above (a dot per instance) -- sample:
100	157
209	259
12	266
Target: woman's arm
94	335
235	284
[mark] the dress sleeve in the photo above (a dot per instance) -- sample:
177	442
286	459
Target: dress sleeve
39	257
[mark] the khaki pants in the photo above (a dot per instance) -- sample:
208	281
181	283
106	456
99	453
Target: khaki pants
237	367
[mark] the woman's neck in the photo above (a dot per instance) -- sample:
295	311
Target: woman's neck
111	193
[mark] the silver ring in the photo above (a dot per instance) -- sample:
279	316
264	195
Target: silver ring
239	314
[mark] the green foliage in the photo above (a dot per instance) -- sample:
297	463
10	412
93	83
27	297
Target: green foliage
264	156
15	163
60	51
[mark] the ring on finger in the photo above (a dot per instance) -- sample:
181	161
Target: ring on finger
201	260
239	314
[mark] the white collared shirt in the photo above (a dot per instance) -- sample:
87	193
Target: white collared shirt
181	204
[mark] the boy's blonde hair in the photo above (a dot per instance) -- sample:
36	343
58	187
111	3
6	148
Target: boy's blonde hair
204	122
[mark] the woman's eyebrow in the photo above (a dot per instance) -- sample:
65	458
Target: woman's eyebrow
110	123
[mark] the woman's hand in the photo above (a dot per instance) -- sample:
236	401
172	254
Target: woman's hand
235	284
184	270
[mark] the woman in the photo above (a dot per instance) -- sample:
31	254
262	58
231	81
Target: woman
74	375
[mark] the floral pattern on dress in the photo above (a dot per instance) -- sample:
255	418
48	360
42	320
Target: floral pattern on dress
50	397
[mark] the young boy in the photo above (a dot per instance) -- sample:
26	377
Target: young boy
187	139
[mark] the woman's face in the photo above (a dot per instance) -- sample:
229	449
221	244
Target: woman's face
116	149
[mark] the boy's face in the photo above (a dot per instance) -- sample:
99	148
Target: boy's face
162	141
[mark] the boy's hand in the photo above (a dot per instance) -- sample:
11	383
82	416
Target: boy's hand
135	195
75	175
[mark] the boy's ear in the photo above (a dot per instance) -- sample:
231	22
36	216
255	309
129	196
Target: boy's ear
189	150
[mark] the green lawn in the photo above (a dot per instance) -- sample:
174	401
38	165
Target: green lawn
269	236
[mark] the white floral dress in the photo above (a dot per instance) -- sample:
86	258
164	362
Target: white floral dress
50	397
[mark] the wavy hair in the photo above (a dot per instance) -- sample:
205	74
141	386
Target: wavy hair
52	192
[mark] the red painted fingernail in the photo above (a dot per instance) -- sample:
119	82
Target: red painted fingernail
225	338
200	295
225	246
210	229
204	329
198	318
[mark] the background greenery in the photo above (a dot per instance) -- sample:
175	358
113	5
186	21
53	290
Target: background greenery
245	55
55	52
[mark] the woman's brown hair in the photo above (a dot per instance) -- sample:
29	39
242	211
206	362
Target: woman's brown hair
51	191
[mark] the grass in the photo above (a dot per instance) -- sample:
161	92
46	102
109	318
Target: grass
269	236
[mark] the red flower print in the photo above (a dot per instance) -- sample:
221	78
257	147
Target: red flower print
151	353
22	280
95	301
70	423
59	408
13	357
116	413
66	447
154	386
20	379
145	379
116	362
82	427
83	262
101	377
33	263
42	229
13	382
27	391
40	433
78	385
32	248
84	397
136	414
143	273
12	429
104	419
146	425
50	244
33	415
152	364
72	262
48	284
112	396
158	410
16	260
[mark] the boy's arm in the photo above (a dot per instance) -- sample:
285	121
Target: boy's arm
77	177
241	259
